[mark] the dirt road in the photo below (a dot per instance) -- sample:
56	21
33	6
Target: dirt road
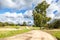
32	35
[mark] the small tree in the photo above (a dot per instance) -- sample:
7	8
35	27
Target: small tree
24	23
6	24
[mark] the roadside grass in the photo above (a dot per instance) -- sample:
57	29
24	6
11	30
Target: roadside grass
55	33
7	33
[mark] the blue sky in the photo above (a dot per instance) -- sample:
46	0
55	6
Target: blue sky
21	10
17	6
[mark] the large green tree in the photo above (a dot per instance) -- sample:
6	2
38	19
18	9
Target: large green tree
39	14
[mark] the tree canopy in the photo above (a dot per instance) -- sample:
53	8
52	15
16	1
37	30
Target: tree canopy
39	14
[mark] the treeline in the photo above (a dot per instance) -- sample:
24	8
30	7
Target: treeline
2	24
55	24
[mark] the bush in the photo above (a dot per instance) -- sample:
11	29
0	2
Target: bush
34	25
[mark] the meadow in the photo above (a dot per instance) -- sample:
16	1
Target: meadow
8	31
55	33
4	34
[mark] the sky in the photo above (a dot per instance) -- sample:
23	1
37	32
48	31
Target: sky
18	11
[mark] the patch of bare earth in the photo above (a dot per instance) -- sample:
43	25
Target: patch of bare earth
32	35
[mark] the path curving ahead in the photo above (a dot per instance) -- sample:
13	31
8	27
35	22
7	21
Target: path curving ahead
32	35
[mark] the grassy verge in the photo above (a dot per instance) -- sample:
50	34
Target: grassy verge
4	34
55	34
7	33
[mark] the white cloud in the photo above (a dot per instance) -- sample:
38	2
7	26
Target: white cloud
7	3
49	1
54	10
21	4
17	18
50	15
18	4
51	10
28	13
52	1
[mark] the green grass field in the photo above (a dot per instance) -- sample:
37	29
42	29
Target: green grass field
7	33
22	27
55	33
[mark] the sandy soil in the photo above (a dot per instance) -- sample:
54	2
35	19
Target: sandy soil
32	35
